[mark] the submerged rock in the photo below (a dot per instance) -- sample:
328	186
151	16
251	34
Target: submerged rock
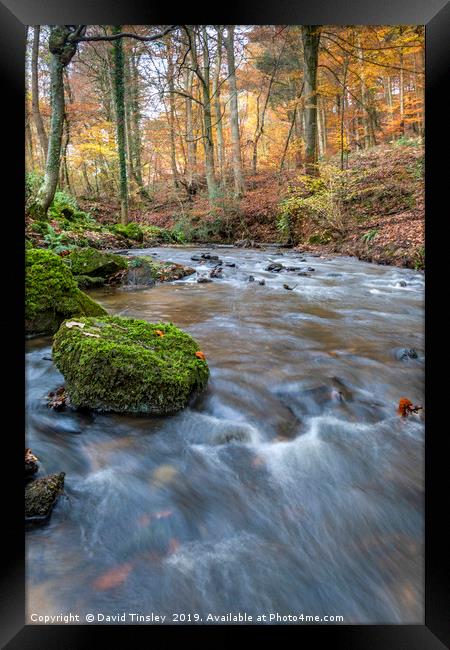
51	294
216	272
41	496
127	365
145	271
406	353
203	279
207	256
274	267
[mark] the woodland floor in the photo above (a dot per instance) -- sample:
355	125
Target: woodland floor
385	213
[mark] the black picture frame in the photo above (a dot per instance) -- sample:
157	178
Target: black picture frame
435	15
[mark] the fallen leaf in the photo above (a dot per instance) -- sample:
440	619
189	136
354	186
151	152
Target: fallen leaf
163	514
30	457
159	333
257	461
174	545
144	520
405	407
200	355
163	474
113	577
74	323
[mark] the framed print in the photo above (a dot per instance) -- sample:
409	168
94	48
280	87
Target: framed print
220	279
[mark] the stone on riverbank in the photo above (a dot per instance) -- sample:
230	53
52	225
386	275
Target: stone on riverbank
51	293
128	365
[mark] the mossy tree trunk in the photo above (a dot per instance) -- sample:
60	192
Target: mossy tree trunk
311	39
36	112
61	52
120	123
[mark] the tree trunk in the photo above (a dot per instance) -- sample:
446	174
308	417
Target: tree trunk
120	123
298	130
28	135
208	141
62	50
344	88
402	96
218	108
136	126
190	137
286	146
37	117
170	80
311	39
234	116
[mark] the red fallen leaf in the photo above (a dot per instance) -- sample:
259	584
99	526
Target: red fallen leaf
200	355
163	514
159	333
174	545
144	520
113	577
405	407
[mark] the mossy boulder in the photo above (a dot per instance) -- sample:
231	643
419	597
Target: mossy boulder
130	231
127	365
143	270
94	263
51	293
41	496
88	282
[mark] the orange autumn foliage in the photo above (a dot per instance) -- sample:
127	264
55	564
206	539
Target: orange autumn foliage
159	332
405	407
200	355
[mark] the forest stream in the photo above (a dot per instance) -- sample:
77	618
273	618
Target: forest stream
290	486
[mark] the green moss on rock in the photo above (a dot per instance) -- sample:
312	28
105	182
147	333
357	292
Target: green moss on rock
88	282
130	231
125	365
51	294
94	263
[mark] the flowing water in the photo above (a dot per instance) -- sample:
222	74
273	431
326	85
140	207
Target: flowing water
290	487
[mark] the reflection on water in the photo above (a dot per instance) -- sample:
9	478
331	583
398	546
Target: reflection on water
290	486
